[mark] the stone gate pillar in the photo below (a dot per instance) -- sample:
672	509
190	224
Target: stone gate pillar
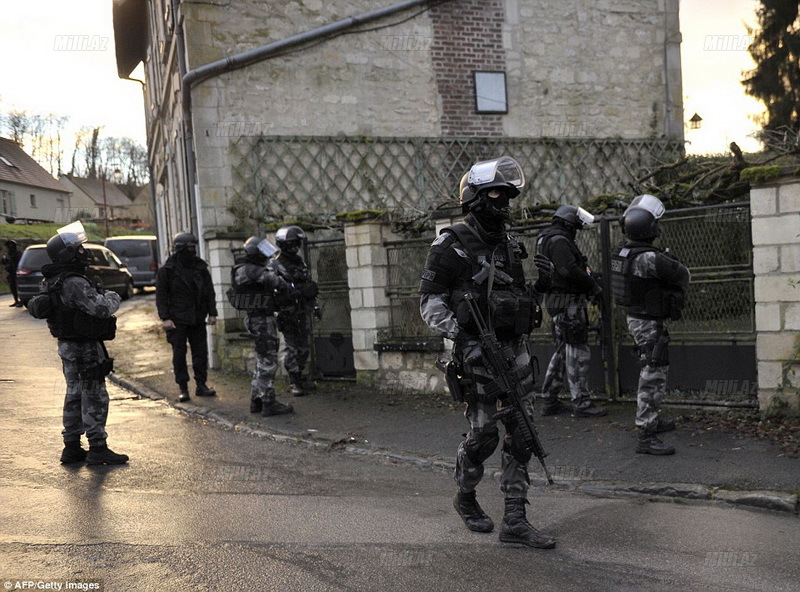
367	276
775	209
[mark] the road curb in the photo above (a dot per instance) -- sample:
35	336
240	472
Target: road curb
779	501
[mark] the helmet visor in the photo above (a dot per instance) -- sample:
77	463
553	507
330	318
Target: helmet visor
267	249
73	234
485	172
585	217
650	203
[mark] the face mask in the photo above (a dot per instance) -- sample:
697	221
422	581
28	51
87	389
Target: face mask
82	257
186	256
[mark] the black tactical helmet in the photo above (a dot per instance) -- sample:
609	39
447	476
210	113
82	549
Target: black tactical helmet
503	173
640	219
573	216
259	248
67	244
59	252
639	224
184	240
290	238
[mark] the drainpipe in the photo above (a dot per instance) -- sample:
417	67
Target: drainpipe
152	183
229	64
188	142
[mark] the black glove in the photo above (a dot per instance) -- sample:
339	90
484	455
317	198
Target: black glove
596	297
546	269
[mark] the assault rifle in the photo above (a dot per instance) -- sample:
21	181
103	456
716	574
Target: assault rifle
502	363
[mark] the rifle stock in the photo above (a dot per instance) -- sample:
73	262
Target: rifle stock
507	378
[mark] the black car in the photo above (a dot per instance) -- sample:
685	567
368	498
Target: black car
104	266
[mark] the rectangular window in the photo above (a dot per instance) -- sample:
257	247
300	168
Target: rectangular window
33	200
490	92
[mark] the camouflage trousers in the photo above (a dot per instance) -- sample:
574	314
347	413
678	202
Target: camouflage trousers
653	374
296	329
263	329
570	360
482	439
86	401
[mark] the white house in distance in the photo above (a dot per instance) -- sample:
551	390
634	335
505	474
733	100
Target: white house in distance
27	191
92	197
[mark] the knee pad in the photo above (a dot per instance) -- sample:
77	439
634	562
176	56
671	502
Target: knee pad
480	444
521	454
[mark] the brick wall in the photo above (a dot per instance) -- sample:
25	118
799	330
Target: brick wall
467	36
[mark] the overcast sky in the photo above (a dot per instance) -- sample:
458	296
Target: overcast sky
42	73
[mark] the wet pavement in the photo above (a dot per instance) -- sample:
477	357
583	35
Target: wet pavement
591	455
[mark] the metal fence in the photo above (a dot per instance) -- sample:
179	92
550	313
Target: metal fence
406	259
332	334
714	242
319	176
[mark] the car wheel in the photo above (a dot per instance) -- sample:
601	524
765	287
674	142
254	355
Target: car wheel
128	290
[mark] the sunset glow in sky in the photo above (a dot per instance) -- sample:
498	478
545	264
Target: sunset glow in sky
60	59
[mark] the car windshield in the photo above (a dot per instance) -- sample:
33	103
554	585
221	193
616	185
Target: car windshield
130	248
33	259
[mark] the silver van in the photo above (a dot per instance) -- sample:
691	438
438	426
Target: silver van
139	253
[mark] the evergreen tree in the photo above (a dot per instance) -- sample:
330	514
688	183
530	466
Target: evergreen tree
776	52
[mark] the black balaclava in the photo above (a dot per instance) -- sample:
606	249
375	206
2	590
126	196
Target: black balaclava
186	256
571	229
492	214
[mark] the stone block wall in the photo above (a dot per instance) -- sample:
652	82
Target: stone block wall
775	209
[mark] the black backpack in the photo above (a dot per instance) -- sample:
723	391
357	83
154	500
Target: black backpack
44	304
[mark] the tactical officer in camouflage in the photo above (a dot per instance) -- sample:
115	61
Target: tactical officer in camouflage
651	285
478	257
566	304
80	315
295	306
255	286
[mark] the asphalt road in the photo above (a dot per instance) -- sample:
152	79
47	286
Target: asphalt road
203	507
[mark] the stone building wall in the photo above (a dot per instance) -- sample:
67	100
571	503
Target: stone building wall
570	72
775	209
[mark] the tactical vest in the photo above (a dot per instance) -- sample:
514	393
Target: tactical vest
299	277
510	308
72	324
251	296
642	297
560	284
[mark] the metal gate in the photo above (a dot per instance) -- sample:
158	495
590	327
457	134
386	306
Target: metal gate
712	352
712	355
332	336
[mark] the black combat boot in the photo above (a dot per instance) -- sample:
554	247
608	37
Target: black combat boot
101	454
275	408
204	391
665	424
184	392
553	408
256	404
307	383
516	528
589	410
649	444
296	384
73	452
471	512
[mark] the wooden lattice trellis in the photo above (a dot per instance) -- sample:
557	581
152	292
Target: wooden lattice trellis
320	176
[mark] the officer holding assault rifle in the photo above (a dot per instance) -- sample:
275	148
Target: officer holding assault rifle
473	291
